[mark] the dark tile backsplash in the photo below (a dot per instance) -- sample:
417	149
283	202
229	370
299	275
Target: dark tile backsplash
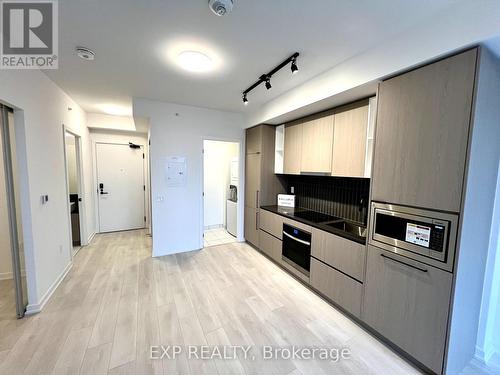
337	196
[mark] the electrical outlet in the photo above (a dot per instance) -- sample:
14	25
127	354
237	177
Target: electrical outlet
292	190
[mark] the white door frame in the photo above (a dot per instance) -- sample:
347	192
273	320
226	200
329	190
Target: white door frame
96	182
241	187
81	205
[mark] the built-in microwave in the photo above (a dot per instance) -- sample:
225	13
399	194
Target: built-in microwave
424	235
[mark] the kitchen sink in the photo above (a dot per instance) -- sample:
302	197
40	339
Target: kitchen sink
348	227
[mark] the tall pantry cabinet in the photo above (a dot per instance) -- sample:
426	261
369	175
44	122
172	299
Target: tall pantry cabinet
261	184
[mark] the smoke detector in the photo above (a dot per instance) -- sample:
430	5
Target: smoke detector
85	53
220	7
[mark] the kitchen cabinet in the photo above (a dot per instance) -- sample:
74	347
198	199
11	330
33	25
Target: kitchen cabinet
261	184
341	289
340	253
270	245
422	132
252	225
317	143
350	141
408	303
271	223
292	153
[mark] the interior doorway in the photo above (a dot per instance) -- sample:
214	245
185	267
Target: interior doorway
121	186
13	287
74	185
220	192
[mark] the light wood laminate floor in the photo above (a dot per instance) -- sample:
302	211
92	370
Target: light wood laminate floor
117	301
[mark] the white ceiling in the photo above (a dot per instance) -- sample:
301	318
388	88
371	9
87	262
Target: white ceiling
132	38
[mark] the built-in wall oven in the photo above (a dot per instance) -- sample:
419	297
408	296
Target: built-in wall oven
296	248
424	235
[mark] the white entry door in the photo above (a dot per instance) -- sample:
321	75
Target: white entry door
120	187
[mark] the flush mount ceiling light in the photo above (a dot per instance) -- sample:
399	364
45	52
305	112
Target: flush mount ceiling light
115	109
220	7
194	61
266	78
85	53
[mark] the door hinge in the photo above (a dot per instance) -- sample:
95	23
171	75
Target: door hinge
144	218
143	155
144	187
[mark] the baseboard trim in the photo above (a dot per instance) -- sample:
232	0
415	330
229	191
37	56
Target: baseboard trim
37	307
6	276
91	237
488	363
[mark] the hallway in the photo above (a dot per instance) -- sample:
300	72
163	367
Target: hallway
117	301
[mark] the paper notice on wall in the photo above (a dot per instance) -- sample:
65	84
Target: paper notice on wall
176	171
418	234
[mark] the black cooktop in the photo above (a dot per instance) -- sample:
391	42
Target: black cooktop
314	217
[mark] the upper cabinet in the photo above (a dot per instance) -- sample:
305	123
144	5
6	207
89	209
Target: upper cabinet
254	140
421	137
292	156
317	143
350	141
337	144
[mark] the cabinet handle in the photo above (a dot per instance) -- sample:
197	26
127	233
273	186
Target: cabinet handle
406	264
257	199
257	221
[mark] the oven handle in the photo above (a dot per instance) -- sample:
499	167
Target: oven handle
296	239
406	264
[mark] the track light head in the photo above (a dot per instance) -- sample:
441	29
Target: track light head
294	66
268	83
245	100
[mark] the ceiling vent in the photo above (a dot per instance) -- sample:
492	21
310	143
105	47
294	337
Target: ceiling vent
85	53
220	7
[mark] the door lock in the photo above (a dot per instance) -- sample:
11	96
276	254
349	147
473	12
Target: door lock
101	189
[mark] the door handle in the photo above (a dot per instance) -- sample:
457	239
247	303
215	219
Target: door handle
296	239
404	263
257	199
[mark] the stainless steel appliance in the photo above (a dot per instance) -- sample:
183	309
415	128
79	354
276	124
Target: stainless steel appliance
424	235
233	193
296	248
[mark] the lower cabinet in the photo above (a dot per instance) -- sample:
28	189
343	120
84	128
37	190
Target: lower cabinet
341	289
270	245
271	223
252	226
408	303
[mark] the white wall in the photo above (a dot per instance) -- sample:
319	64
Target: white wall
467	23
41	109
121	137
217	175
477	217
178	130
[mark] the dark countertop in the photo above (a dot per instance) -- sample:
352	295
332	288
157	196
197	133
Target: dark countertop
289	213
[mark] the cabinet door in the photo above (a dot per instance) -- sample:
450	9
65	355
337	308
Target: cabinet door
341	289
252	182
252	226
317	143
292	154
253	140
271	223
408	303
421	136
349	142
270	245
345	255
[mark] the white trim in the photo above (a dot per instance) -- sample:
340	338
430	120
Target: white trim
91	238
37	307
6	276
487	363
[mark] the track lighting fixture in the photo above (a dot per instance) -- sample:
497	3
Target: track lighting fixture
268	83
266	78
294	66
